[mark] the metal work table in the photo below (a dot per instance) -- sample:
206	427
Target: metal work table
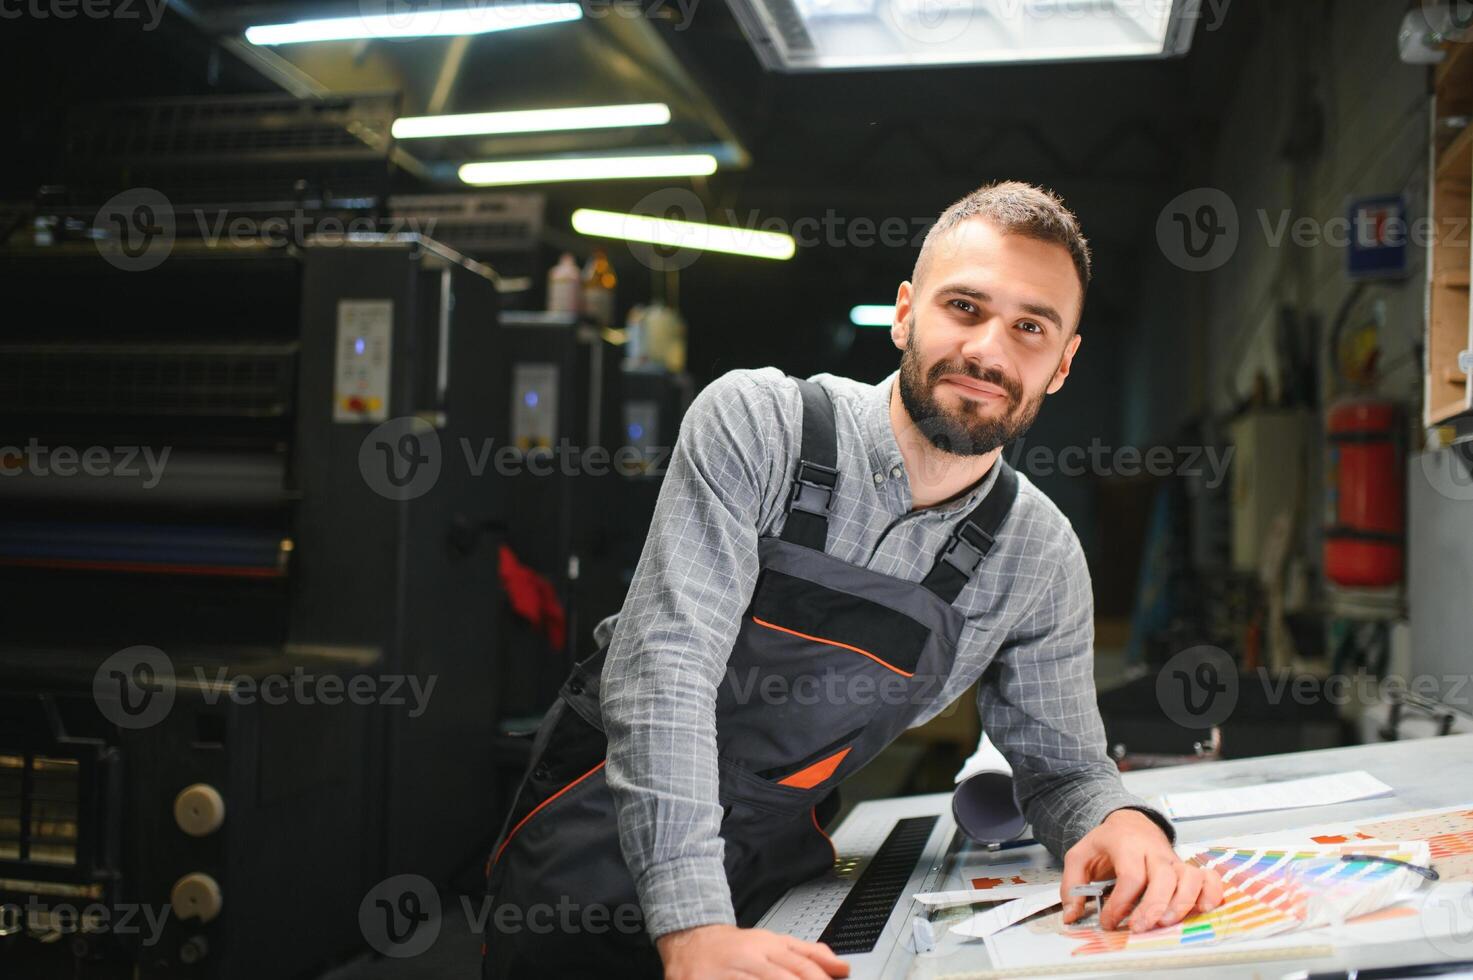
1426	774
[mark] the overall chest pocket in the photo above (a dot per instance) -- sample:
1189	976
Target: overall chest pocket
812	666
838	623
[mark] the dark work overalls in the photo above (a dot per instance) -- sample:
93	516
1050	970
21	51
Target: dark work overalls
831	663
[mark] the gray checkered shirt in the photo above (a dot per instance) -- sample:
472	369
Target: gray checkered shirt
1029	613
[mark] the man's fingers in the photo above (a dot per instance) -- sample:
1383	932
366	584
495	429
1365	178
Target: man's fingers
821	954
1130	881
1211	896
1076	872
769	970
1189	882
1163	876
797	964
772	971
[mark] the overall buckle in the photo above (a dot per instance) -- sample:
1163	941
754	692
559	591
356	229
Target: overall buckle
969	544
813	490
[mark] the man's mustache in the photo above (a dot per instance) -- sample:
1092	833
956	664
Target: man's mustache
992	376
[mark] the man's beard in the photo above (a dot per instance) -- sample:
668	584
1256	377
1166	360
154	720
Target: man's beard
966	431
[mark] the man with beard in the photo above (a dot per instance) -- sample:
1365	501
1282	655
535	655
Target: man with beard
831	562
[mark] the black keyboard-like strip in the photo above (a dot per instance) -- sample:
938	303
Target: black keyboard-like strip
856	926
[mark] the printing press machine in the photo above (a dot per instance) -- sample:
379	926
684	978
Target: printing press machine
205	698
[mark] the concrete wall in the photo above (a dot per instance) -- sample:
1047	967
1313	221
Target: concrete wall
1343	56
1201	338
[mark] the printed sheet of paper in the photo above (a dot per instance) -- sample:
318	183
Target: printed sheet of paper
984	924
973	896
990	877
1286	795
1448	833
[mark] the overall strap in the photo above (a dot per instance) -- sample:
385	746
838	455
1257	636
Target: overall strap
812	496
973	537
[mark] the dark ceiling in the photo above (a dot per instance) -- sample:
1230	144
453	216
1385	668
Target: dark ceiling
1116	139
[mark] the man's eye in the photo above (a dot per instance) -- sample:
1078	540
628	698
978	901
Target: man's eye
1031	326
964	306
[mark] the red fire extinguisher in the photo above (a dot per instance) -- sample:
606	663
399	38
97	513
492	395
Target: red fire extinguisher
1365	497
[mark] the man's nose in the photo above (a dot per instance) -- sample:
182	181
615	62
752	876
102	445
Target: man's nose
984	346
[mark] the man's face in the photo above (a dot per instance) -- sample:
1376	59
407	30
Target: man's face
989	331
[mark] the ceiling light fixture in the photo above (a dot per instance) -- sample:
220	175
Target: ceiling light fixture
480	19
823	35
554	169
684	234
872	315
532	120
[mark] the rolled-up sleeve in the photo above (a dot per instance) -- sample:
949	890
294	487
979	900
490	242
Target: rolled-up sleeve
1037	703
670	647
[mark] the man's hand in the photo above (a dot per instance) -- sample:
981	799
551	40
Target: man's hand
1162	888
722	951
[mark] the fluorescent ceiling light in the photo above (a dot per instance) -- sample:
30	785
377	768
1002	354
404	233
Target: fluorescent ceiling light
870	315
550	169
816	35
480	19
532	120
684	234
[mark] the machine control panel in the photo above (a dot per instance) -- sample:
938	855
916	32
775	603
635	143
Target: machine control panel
534	394
364	357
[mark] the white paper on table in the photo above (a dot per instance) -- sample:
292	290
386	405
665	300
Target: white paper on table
970	896
1289	794
984	924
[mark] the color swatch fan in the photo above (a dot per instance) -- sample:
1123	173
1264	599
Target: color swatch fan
1268	891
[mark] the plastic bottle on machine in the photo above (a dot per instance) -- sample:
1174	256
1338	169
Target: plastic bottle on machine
564	286
598	289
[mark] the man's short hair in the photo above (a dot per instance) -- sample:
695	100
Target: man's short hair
1017	209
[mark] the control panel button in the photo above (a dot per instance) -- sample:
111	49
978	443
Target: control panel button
199	810
196	896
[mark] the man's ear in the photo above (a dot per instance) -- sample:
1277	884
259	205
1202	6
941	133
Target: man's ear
1065	363
900	325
